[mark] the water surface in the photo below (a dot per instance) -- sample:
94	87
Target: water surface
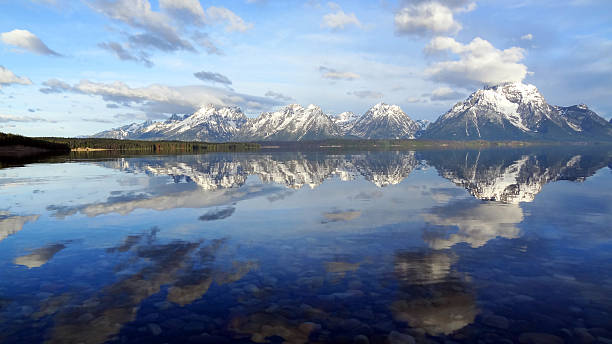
506	245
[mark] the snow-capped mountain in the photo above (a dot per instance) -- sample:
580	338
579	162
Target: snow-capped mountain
384	121
345	121
516	111
512	111
129	131
291	123
210	123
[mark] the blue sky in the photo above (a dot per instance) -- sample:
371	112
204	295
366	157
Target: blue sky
78	67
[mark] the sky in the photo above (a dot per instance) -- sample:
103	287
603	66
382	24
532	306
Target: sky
77	67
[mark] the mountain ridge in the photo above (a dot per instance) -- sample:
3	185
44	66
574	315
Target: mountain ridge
510	111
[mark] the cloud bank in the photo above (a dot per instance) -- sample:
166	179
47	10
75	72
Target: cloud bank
159	99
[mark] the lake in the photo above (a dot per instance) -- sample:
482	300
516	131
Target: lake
452	246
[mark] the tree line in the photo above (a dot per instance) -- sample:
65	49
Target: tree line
66	143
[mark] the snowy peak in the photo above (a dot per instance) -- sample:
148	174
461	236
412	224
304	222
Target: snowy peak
291	123
384	121
515	111
210	123
345	121
519	93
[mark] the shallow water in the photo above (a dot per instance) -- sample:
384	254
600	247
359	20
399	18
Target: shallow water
507	245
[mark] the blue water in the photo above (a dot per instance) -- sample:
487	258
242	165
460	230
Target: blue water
491	246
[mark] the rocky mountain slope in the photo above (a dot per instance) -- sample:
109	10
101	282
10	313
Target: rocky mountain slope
516	111
384	121
210	123
290	123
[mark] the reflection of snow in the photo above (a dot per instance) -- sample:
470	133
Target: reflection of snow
477	223
210	174
519	181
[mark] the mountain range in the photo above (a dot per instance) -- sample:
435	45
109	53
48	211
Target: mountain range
512	111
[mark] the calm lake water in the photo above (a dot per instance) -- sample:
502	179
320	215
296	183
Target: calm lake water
491	246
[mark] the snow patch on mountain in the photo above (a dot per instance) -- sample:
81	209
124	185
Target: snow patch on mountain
385	121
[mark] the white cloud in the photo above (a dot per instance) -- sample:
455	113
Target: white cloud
234	22
479	62
26	40
426	18
339	19
330	73
527	37
161	99
8	78
445	93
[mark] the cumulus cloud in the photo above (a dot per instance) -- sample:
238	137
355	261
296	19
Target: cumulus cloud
366	94
159	99
213	77
124	54
278	96
54	86
330	73
479	62
339	19
424	18
445	93
8	78
527	37
233	21
26	40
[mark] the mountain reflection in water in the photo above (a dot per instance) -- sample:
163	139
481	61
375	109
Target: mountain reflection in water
342	247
